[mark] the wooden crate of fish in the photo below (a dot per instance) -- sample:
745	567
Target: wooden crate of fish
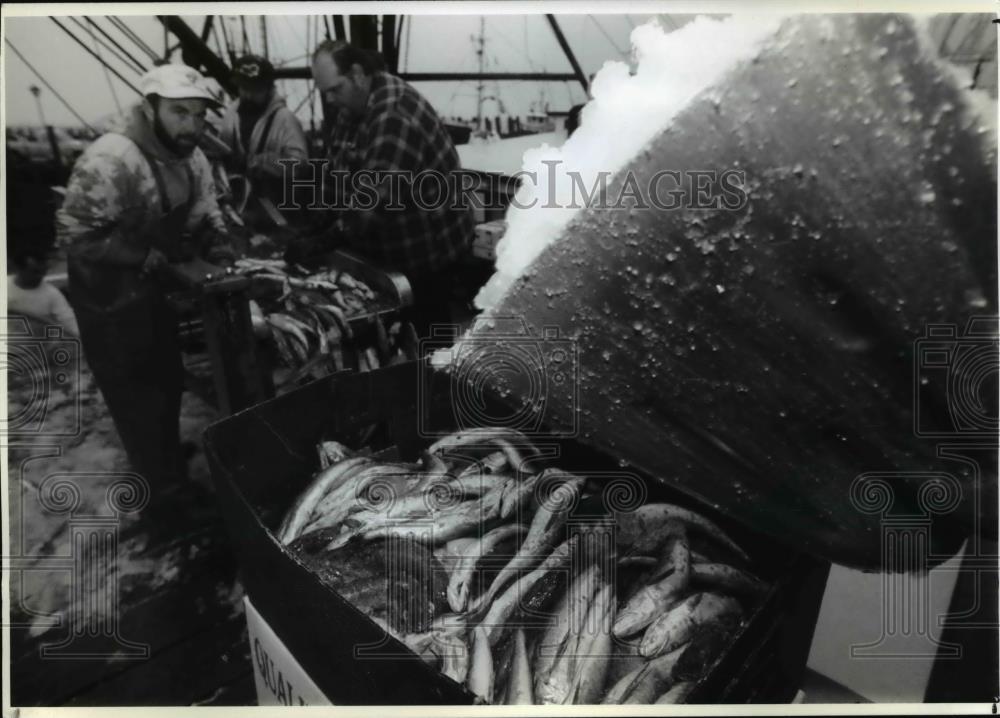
485	567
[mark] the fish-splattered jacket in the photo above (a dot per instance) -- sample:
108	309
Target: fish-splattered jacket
113	214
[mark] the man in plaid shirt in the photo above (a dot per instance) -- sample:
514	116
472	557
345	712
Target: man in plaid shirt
402	190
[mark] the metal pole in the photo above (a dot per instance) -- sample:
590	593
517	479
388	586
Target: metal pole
577	70
214	65
481	54
53	143
48	86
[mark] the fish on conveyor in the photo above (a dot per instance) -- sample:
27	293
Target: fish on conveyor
676	627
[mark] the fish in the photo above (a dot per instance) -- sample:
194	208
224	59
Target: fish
286	324
728	578
676	557
518	596
477	439
624	659
648	603
546	528
517	493
489	464
326	480
453	649
676	627
646	682
557	645
282	345
473	485
455	522
480	679
337	314
459	584
652	520
372	491
678	693
519	689
594	653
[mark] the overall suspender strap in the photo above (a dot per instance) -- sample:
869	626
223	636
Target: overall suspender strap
161	184
266	132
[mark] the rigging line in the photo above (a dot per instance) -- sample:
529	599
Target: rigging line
608	37
399	35
107	75
947	34
125	52
295	33
263	33
308	97
91	52
229	44
131	35
629	21
48	86
246	40
326	26
218	45
406	57
98	43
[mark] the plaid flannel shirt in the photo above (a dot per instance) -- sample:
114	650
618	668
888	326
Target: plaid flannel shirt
401	132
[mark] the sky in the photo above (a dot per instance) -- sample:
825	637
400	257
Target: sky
514	43
443	43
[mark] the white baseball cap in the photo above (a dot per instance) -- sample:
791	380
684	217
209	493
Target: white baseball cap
176	82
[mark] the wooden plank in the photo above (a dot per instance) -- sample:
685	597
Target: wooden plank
160	619
187	672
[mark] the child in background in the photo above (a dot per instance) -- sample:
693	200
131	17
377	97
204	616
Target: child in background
29	295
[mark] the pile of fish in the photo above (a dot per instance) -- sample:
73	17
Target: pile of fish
310	321
552	593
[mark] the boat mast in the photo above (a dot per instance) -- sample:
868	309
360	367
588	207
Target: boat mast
480	52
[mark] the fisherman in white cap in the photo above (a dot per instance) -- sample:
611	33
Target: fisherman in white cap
137	200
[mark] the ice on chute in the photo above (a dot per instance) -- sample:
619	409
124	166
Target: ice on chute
625	113
765	357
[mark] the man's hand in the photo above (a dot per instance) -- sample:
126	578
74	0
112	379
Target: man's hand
155	260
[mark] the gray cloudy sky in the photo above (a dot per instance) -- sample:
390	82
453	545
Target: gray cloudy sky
432	43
